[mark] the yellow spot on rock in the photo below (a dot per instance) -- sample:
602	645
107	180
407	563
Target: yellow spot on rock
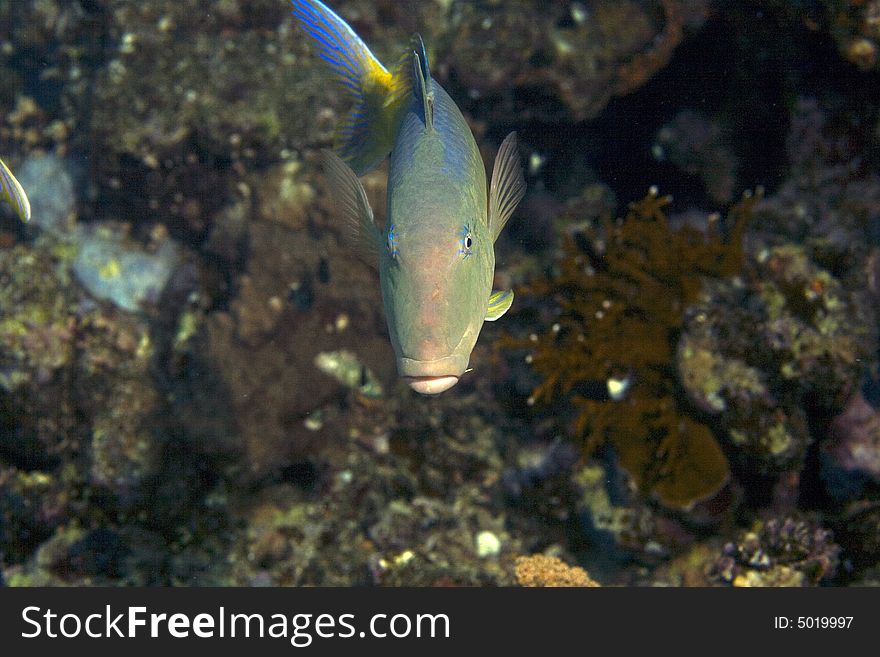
110	269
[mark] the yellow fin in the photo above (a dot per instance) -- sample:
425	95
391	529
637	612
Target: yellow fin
499	303
12	192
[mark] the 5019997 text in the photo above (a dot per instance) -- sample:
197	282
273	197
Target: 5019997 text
812	622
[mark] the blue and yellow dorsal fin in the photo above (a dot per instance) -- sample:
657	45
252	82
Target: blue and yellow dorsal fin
365	136
422	80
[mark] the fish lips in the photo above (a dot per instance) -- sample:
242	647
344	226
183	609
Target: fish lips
431	377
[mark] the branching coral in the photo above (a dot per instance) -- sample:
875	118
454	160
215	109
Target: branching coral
621	299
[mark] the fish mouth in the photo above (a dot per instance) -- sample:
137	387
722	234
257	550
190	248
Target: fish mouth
431	385
431	377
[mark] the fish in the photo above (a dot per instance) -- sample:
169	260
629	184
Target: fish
435	252
12	192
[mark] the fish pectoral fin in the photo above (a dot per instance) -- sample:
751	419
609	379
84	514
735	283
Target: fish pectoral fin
508	185
422	77
499	303
351	203
12	192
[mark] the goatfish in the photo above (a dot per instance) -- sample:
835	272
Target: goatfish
11	191
435	253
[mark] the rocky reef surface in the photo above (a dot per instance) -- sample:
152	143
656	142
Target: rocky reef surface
196	383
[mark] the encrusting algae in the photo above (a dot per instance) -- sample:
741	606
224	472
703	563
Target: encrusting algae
539	570
621	301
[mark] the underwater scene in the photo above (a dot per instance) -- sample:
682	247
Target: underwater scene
439	293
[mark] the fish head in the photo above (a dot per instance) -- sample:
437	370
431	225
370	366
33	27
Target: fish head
435	286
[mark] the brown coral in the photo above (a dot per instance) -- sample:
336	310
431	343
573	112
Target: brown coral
621	301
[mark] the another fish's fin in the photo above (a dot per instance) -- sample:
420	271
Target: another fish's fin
508	185
351	202
11	191
499	303
365	136
422	88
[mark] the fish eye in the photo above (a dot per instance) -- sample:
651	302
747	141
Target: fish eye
466	242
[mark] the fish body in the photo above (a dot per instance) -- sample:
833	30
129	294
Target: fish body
435	253
11	192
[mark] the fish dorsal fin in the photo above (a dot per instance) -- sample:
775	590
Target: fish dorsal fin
499	303
422	76
13	193
508	185
351	202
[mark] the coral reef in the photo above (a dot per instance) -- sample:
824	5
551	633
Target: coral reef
621	300
182	103
196	386
577	55
789	551
387	510
78	408
851	453
782	350
299	297
858	532
758	356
